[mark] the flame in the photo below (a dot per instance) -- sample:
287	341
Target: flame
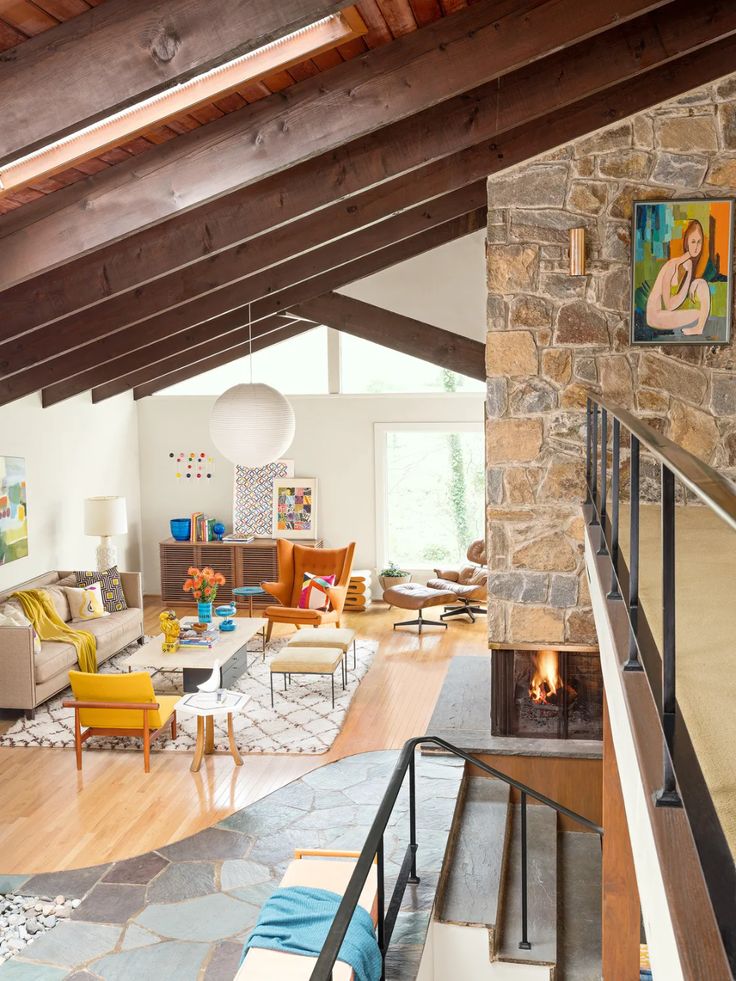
546	680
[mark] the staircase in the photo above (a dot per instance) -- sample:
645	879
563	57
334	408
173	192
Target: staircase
477	924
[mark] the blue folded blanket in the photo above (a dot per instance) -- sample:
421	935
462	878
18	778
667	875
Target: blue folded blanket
297	919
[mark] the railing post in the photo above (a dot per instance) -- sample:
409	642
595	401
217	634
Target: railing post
633	663
602	547
588	435
594	464
614	592
413	877
668	795
524	944
381	908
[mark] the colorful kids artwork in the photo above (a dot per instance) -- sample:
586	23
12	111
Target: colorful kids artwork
295	507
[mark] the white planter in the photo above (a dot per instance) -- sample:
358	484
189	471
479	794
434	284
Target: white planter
388	581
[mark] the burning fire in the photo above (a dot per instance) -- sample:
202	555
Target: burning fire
546	680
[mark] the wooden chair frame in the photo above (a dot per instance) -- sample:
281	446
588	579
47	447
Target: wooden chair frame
145	733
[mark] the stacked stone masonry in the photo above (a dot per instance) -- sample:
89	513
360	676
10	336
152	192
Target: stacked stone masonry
551	337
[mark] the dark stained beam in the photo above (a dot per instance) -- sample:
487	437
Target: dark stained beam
233	223
125	51
441	347
47	355
448	57
152	379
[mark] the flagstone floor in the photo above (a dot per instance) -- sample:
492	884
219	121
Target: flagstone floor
182	913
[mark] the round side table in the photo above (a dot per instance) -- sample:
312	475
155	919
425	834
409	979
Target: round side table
250	592
207	709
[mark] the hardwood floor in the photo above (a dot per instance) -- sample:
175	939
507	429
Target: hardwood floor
54	818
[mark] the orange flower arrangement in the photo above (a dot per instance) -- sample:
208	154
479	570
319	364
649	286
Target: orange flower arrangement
203	584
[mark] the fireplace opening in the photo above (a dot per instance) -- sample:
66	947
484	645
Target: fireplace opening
546	693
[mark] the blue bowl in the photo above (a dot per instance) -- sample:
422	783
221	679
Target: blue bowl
181	529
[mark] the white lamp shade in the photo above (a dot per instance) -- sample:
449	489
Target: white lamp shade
252	424
105	516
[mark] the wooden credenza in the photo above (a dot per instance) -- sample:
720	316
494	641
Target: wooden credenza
241	563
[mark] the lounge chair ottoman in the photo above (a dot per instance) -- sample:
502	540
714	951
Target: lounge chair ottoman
338	637
308	660
414	596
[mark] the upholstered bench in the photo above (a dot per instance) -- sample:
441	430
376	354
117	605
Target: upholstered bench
317	869
338	637
414	596
308	660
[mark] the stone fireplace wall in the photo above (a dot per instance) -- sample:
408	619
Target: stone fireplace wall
552	336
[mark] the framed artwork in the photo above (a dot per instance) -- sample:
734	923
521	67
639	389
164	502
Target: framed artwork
13	509
295	507
253	497
681	276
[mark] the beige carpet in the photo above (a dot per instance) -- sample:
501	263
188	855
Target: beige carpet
706	637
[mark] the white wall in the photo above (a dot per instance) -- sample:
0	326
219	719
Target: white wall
72	450
445	287
333	442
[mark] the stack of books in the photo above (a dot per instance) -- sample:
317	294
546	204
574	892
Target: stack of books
202	527
198	640
359	590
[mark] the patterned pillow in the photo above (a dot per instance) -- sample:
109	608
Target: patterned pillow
86	603
113	598
314	594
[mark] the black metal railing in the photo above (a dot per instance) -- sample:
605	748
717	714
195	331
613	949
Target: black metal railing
682	781
372	852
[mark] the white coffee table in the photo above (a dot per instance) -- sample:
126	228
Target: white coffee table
207	709
231	651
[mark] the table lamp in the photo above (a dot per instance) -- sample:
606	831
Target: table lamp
105	516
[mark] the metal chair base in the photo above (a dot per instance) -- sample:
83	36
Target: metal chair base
420	622
466	608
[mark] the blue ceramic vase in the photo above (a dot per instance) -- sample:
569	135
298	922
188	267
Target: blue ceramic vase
204	612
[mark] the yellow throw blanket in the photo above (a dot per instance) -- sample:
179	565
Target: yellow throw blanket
39	608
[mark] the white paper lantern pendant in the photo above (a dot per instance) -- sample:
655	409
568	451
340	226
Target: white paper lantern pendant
252	424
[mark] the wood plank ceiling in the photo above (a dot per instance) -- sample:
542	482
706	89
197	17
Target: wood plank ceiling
24	19
144	274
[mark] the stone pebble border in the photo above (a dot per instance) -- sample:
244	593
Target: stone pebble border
23	918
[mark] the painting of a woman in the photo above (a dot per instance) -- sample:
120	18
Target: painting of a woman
682	261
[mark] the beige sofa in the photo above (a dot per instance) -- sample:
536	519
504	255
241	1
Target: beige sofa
26	678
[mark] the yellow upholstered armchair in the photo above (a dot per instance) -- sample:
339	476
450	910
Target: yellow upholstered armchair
294	561
119	705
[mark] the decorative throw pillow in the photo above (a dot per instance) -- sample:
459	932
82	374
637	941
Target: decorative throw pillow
314	594
11	615
86	603
113	598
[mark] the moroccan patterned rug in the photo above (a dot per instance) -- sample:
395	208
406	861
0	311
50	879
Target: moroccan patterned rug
302	720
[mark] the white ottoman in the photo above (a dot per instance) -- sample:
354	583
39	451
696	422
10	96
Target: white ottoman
338	637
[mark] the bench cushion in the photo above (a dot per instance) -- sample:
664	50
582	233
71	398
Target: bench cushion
307	660
338	637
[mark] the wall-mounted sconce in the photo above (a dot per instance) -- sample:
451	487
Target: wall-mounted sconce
577	251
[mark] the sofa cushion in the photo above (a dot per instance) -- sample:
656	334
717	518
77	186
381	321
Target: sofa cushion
12	615
114	632
61	604
53	658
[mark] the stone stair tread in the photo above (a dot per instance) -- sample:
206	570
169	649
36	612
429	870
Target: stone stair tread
579	906
475	877
542	893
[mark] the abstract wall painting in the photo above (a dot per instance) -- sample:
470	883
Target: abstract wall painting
682	279
13	509
253	497
295	507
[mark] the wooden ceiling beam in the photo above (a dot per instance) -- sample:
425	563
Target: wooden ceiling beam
125	51
153	378
352	100
47	360
393	330
224	234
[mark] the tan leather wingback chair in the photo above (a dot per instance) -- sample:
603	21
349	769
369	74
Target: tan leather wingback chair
469	584
294	560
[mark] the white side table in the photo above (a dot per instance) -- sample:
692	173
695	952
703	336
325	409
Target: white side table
206	708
